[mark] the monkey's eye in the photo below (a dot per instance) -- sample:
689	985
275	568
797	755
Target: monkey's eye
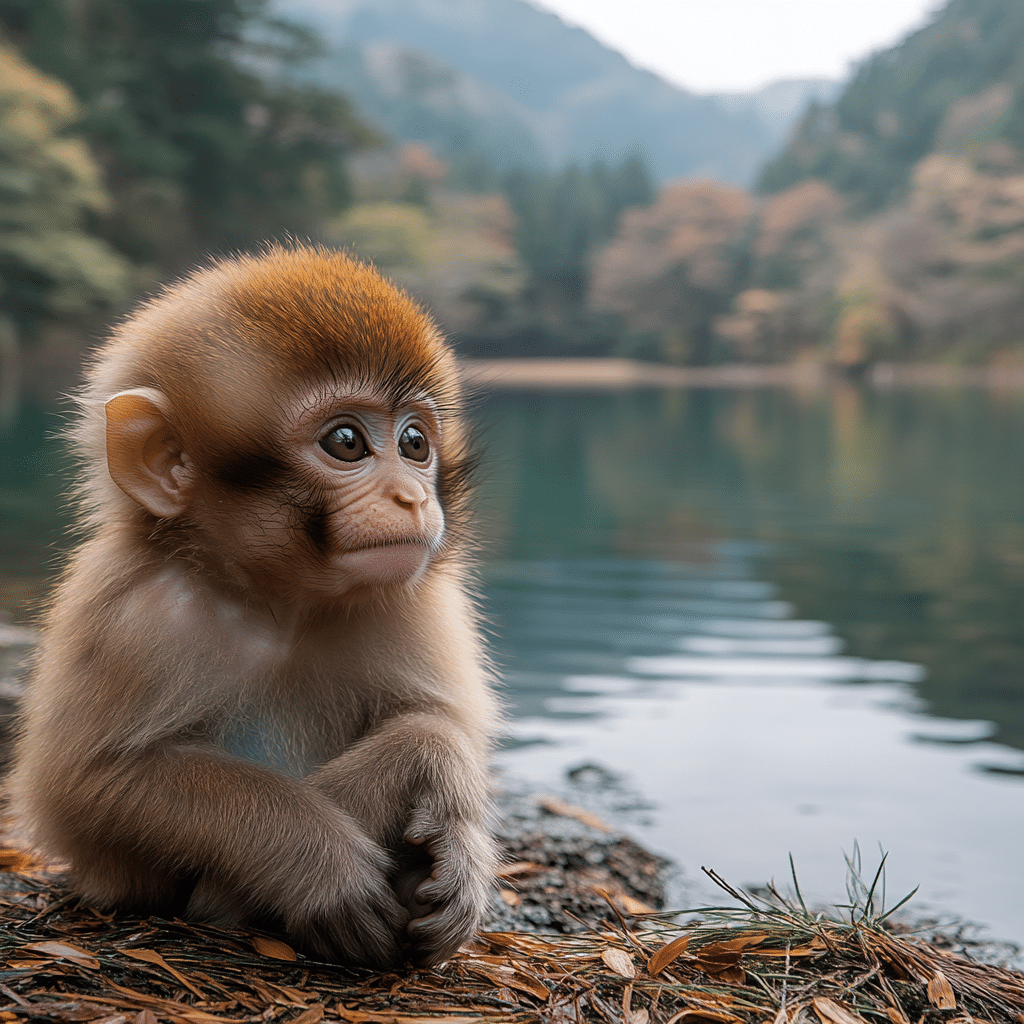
413	444
346	444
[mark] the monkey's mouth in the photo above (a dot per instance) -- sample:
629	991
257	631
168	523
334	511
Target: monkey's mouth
390	561
399	542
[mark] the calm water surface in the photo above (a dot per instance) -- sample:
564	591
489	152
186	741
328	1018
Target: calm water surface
773	623
745	624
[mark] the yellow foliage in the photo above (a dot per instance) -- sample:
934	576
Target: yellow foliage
459	249
51	181
864	331
31	103
390	235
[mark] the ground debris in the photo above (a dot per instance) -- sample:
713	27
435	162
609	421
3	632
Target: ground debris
61	960
567	870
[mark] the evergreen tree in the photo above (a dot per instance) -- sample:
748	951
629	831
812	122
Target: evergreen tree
563	218
198	147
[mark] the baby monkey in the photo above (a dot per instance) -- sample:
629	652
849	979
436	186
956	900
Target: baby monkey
261	694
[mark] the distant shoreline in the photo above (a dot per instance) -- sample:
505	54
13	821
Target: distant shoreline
627	373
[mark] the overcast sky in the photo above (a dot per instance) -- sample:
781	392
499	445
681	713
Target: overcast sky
737	45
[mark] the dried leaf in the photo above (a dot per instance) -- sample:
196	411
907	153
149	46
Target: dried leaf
619	961
519	867
743	942
510	898
732	975
508	977
311	1016
633	906
716	958
668	954
297	996
640	1016
530	985
719	952
830	1012
704	1013
163	1007
793	954
896	1015
151	956
273	948
554	805
82	1011
65	951
940	992
146	1017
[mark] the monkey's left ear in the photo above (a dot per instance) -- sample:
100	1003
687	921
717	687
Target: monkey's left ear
143	456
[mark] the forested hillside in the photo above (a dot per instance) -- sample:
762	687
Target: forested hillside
136	136
953	86
890	228
199	150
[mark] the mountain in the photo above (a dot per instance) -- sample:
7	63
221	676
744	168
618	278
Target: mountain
779	105
414	97
515	82
892	225
953	85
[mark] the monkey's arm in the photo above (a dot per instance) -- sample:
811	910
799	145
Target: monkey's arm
419	784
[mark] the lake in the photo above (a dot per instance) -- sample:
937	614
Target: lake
754	623
742	624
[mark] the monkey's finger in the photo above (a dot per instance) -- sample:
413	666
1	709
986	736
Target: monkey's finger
421	929
431	892
437	937
419	908
422	828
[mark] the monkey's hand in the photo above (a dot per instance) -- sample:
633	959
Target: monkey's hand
445	881
349	914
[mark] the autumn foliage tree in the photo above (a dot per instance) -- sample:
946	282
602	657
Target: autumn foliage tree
672	266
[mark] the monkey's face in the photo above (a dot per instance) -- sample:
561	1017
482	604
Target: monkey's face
376	518
348	498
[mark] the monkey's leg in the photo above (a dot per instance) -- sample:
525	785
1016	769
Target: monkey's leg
419	786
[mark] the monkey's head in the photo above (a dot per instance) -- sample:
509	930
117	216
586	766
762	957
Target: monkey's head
290	419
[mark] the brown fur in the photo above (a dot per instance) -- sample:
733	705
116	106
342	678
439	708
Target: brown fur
243	708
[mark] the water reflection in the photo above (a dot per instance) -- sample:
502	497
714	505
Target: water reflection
897	518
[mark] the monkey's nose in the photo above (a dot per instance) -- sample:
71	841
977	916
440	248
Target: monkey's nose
409	495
